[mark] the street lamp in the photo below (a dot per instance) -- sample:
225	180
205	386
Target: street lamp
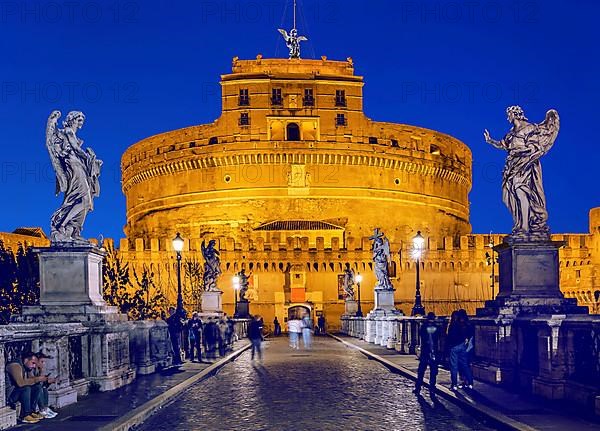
491	260
417	251
178	246
236	286
358	279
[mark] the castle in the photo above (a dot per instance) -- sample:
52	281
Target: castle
291	181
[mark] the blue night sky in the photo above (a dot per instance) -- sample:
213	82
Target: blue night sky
137	68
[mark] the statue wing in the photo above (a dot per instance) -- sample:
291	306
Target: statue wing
283	33
54	142
549	130
386	248
301	38
203	248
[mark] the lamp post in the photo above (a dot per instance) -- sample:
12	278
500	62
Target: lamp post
418	242
358	279
236	286
178	246
491	260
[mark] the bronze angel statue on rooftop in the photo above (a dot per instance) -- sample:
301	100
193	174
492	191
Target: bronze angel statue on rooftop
522	188
77	173
292	41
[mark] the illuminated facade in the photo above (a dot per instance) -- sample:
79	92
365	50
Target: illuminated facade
291	181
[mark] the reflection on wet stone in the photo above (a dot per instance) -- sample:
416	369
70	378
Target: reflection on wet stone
328	388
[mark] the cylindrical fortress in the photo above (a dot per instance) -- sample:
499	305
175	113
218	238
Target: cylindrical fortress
293	145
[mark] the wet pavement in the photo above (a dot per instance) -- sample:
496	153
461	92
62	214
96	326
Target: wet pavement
330	387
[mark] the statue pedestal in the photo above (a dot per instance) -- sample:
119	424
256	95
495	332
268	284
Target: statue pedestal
212	302
71	292
384	306
351	307
529	282
384	302
70	288
242	310
71	276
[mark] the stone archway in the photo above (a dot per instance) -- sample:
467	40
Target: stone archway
297	310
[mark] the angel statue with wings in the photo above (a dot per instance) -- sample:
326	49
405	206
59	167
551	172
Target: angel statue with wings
381	257
292	41
522	189
212	265
349	283
244	284
77	173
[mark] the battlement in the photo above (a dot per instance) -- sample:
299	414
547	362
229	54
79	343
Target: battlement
295	66
439	246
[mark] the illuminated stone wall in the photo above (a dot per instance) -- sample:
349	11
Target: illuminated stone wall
269	160
227	178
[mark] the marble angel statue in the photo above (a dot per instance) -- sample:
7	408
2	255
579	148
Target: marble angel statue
349	283
243	285
212	265
522	189
381	257
77	172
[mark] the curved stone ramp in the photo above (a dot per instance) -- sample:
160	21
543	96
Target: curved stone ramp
497	418
143	412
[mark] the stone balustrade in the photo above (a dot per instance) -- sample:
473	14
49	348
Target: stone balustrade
84	357
553	356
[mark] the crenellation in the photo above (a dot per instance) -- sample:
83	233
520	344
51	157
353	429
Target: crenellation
464	242
335	244
320	243
448	243
260	244
139	244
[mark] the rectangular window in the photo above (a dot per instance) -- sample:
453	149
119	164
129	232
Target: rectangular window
340	120
276	98
244	98
308	99
577	273
244	119
340	97
372	140
394	143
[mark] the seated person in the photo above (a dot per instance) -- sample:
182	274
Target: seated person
23	387
41	404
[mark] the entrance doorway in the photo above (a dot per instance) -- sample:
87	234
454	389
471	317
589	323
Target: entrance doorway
297	311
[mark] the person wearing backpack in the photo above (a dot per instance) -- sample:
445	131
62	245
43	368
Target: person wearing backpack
429	333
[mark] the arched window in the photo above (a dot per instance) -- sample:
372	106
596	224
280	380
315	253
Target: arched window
293	132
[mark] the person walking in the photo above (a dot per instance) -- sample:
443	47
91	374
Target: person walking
458	340
429	356
321	324
195	331
255	335
276	327
211	336
223	329
294	330
175	326
307	329
230	332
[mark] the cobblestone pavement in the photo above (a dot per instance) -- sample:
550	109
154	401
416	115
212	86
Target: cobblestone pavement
331	387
